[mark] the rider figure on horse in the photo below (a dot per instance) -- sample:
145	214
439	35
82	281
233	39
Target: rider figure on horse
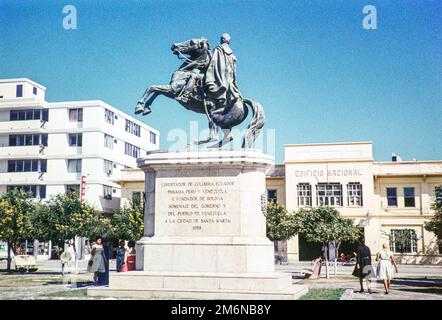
220	80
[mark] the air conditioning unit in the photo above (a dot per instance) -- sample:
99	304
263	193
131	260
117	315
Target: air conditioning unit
395	158
108	197
108	172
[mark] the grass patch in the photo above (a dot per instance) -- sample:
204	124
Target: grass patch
323	294
17	282
68	293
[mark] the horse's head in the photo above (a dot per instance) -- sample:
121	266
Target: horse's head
192	47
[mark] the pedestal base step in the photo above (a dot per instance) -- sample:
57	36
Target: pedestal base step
186	285
291	293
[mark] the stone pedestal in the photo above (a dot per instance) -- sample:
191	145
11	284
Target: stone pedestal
205	231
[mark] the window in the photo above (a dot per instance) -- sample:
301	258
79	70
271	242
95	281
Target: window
392	197
403	241
76	115
153	138
34	90
108	167
17	140
11	165
26	140
43	165
19	166
19	91
29	140
75	140
45	115
107	192
44	139
133	128
108	141
329	194
28	114
13	115
108	116
73	188
26	188
22	115
304	194
25	165
131	150
438	194
12	140
272	195
136	197
74	165
354	194
42	192
409	200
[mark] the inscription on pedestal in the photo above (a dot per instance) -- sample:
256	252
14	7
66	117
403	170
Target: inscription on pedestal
194	205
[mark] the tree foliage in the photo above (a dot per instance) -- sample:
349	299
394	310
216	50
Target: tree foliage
128	222
63	217
15	207
279	222
435	224
15	226
324	224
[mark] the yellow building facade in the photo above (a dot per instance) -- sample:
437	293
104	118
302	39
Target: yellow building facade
390	200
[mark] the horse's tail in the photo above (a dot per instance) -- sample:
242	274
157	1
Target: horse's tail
256	123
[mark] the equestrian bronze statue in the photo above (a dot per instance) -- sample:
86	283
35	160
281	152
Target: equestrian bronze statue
206	83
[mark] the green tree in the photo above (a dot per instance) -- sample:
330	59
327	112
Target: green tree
324	224
128	222
280	224
15	209
63	217
435	224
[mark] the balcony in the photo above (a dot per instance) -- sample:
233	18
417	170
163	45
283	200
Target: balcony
22	152
71	151
24	126
21	177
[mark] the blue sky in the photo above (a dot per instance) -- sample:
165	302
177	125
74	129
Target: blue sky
320	76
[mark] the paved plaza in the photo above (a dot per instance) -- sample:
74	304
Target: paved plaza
412	283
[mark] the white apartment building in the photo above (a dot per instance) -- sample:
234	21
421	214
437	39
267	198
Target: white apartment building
47	147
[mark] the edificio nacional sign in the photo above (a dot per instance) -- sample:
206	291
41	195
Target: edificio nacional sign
350	172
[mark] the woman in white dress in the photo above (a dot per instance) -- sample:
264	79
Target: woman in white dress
385	271
97	262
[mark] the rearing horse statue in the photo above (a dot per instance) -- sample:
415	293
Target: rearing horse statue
206	83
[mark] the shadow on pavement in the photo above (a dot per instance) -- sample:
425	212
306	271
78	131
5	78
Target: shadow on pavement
417	282
437	291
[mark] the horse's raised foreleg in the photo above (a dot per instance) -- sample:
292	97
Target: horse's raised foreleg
143	105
